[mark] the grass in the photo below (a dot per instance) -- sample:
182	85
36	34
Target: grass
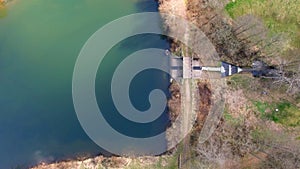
260	134
2	11
171	164
239	81
231	120
279	16
283	112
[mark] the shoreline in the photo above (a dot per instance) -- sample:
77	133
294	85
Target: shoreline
179	7
174	103
116	162
5	2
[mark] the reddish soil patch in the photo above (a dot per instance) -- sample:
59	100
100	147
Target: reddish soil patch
205	100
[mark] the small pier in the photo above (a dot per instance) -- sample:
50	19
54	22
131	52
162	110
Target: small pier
190	68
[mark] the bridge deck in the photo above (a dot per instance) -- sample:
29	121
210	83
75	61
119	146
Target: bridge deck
187	67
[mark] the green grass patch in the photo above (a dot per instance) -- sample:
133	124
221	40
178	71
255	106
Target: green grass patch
279	16
260	134
227	116
3	11
231	120
234	121
283	112
238	81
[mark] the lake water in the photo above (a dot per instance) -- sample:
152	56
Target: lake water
39	43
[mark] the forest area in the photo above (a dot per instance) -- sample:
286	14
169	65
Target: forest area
261	122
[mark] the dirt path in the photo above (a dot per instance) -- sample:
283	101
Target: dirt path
188	111
179	8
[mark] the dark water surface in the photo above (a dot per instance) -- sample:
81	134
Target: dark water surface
39	43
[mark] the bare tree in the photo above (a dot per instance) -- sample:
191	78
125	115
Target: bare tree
288	74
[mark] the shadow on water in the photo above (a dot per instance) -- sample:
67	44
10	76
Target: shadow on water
140	87
147	6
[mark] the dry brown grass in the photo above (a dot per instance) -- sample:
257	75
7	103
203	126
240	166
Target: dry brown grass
174	103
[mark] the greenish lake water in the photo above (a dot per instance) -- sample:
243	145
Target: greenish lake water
39	43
